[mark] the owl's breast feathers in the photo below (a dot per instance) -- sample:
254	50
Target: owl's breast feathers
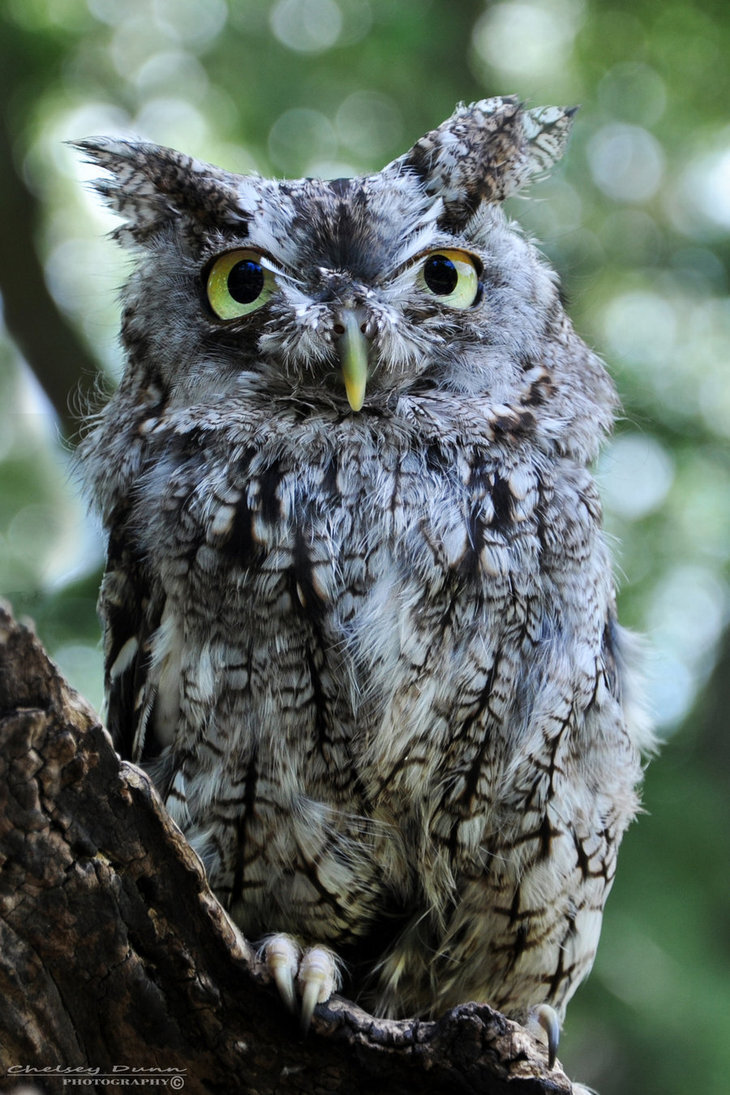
369	671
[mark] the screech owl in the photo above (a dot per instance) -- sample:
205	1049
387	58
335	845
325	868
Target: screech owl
359	614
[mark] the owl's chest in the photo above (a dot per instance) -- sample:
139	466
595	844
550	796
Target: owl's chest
358	596
356	529
347	618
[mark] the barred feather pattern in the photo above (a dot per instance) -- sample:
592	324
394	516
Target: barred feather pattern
370	658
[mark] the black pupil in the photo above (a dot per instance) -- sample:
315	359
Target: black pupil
441	275
245	281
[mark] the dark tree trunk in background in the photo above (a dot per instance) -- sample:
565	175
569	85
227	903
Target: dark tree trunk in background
63	366
114	954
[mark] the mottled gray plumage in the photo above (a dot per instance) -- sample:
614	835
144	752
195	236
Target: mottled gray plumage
370	657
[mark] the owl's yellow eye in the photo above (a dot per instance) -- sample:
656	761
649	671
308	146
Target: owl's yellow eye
238	283
452	277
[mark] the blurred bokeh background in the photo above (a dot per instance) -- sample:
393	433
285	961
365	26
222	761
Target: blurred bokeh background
636	220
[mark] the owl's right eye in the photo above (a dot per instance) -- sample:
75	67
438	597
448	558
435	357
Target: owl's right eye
238	284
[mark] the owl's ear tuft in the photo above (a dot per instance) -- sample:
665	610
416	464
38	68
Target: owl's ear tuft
150	187
487	151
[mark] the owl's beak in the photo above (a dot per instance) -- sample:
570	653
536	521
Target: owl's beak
352	346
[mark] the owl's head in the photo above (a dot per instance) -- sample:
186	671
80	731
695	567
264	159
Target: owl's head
345	291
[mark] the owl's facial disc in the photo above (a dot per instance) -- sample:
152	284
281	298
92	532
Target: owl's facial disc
352	347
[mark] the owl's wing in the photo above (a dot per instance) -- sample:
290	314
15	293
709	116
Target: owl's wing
132	612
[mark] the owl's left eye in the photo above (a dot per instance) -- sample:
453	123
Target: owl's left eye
451	276
238	283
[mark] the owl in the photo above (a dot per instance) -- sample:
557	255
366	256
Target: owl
359	615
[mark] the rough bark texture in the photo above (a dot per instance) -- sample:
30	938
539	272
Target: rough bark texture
115	955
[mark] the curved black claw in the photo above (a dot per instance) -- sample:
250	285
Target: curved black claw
547	1017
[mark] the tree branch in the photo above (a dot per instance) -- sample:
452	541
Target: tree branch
114	953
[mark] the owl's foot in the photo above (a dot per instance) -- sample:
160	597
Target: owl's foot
546	1017
309	972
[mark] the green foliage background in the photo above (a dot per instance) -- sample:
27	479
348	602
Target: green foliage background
636	220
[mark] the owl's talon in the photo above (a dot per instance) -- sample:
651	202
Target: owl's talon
282	955
547	1017
313	972
318	979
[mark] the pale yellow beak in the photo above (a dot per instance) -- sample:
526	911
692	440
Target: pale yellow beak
352	346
